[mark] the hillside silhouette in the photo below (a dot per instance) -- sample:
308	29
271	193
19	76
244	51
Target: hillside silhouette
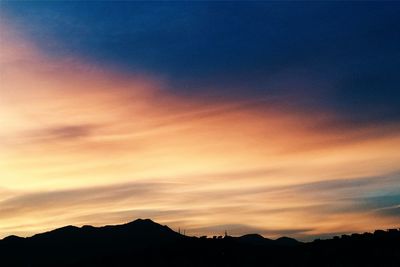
146	243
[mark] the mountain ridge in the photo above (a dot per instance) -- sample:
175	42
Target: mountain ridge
143	242
136	222
149	222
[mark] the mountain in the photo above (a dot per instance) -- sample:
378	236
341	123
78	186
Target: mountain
146	243
286	241
137	233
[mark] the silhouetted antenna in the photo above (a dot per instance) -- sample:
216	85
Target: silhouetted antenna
226	233
179	230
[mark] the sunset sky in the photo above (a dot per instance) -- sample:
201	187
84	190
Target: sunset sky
278	118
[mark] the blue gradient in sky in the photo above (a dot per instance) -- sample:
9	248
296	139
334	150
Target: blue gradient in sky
336	56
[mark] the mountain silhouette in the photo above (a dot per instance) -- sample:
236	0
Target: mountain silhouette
146	243
139	232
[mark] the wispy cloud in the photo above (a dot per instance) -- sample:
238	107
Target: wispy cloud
84	142
60	133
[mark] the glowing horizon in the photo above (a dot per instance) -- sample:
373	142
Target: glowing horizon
85	144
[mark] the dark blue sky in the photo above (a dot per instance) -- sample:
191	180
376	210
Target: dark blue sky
340	56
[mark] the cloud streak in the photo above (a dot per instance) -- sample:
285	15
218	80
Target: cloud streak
85	144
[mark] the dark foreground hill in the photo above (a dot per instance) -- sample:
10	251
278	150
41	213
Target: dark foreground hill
145	243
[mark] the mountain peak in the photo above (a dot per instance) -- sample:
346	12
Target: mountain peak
12	238
143	221
287	241
252	236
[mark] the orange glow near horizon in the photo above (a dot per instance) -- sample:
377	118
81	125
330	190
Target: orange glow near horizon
80	144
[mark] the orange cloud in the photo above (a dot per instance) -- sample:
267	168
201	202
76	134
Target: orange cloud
81	144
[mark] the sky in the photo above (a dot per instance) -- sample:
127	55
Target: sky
278	118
